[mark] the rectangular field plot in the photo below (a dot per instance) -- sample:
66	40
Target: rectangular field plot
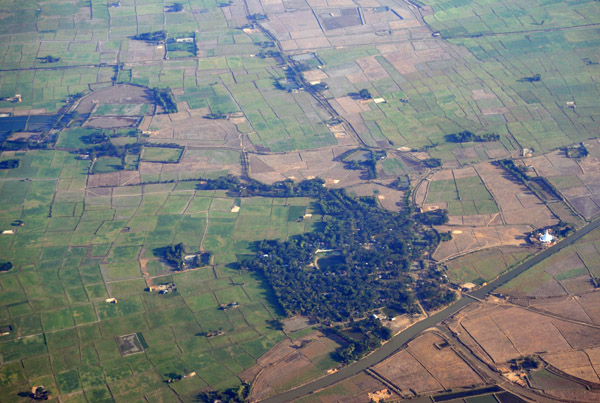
129	344
161	154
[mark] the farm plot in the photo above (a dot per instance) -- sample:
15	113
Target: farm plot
483	266
304	165
568	272
289	364
79	248
498	333
510	210
420	368
462	193
161	154
576	179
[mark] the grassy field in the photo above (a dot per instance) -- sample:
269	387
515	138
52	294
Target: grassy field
483	266
465	196
78	248
161	154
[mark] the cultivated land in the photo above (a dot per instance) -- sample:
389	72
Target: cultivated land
272	99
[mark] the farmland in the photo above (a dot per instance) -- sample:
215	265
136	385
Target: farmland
98	180
89	244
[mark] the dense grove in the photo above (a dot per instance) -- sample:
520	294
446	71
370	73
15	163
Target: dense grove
373	250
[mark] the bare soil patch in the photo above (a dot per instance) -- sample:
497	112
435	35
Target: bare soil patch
116	94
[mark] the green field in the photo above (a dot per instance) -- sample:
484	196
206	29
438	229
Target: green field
161	154
76	249
465	196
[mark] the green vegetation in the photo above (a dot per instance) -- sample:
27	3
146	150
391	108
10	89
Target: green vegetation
9	164
377	247
173	255
577	152
164	98
152	37
468	136
361	338
5	266
161	154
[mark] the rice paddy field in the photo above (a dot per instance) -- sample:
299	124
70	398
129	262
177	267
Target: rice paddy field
80	231
80	246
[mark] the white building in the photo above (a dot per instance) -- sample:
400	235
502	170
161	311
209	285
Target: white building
546	238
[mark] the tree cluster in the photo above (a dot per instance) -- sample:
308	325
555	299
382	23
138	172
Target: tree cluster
577	152
9	164
164	98
175	7
432	162
5	266
231	395
372	333
434	217
532	79
433	296
49	59
468	136
375	248
151	37
173	255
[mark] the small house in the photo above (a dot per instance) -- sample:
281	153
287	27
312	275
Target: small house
5	330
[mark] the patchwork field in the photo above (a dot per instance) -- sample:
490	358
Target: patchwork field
575	178
277	90
486	208
80	246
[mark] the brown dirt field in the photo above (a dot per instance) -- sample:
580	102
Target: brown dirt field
550	289
404	371
575	363
530	332
490	338
578	285
481	95
304	165
315	75
371	68
295	323
351	390
579	395
351	106
594	357
107	122
566	307
116	94
585	199
585	206
470	239
286	362
591	305
114	179
516	203
438	361
267	382
507	332
578	336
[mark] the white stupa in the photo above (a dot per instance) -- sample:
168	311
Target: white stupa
546	238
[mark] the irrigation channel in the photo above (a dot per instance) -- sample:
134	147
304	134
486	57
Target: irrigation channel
405	336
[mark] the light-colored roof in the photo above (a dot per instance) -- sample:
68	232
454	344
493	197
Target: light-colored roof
546	238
